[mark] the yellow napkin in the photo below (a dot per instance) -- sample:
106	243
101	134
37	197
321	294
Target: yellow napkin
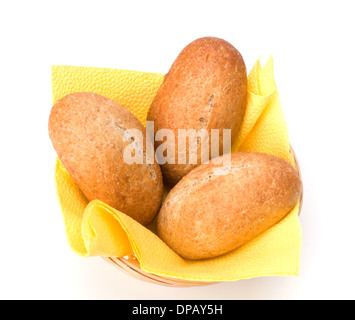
96	229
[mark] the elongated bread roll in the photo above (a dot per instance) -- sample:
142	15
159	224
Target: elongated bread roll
212	210
87	131
205	88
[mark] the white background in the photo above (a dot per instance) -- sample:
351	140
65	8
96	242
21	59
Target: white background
313	47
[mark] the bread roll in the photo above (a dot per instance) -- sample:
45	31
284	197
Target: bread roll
205	88
87	131
212	210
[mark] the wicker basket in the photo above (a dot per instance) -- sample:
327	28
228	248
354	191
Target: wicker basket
131	266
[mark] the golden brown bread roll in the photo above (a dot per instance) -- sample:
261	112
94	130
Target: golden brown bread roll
87	131
205	88
212	211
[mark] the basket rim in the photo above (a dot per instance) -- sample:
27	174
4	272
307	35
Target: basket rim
131	266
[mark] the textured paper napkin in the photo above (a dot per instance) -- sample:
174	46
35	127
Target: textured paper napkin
96	229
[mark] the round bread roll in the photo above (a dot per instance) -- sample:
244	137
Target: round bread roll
205	88
88	133
214	210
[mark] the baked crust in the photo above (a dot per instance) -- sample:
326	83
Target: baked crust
208	214
205	88
87	130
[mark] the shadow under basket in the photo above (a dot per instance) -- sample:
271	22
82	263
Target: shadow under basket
130	264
